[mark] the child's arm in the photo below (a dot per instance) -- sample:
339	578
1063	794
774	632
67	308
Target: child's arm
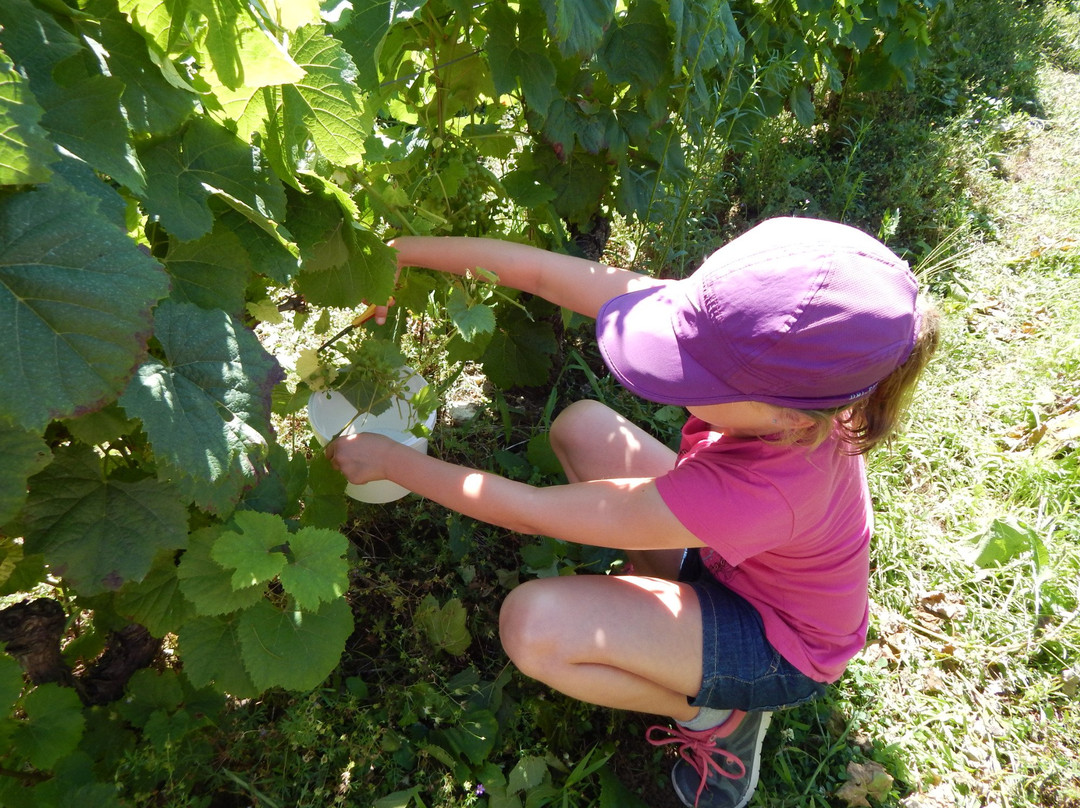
579	285
627	514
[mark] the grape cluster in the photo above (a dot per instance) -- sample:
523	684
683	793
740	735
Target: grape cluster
459	187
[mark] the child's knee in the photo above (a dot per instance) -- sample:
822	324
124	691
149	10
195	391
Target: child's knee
527	627
576	422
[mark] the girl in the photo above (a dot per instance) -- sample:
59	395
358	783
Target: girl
793	348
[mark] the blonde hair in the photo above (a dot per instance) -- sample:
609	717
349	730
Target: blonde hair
872	420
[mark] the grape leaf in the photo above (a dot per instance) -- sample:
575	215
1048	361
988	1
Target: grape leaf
78	293
20	573
637	51
470	321
149	691
326	98
445	625
241	51
363	38
280	489
11	683
513	57
249	548
111	206
318	571
156	601
325	505
519	352
95	531
578	25
206	405
183	172
293	648
211	272
211	654
53	727
206	583
367	274
81	109
25	152
802	104
268	253
291	14
151	103
24	454
154	19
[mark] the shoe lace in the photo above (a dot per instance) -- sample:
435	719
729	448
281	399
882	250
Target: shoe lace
698	749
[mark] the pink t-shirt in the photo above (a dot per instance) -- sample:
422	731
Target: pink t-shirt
788	529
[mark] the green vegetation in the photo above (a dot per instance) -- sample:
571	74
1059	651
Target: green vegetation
323	652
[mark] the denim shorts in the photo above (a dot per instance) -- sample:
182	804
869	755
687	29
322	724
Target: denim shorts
741	670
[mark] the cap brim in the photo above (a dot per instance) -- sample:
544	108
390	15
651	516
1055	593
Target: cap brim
638	340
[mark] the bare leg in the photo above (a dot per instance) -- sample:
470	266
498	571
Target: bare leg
593	442
631	643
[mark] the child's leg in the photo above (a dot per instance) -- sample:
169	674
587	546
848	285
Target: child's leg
593	442
626	642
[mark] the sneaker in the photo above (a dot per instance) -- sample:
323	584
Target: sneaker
718	767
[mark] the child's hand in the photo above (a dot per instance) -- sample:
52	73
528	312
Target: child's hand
361	457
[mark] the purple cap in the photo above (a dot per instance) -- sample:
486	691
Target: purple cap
800	313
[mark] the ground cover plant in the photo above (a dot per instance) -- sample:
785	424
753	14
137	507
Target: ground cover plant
198	616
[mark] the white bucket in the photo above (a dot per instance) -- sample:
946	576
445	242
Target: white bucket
328	414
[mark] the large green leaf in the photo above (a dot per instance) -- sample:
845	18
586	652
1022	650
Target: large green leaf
212	272
293	648
268	254
54	724
520	352
211	654
11	683
160	23
471	319
25	152
637	51
152	104
317	571
253	548
206	404
75	299
209	585
96	531
241	51
24	453
156	601
515	57
184	172
327	98
325	504
578	25
367	274
82	108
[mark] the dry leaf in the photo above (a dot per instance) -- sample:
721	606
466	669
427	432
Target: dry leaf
865	780
946	605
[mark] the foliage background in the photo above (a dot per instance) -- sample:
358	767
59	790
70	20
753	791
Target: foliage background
177	177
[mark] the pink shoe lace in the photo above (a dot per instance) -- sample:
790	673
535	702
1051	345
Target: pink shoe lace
699	749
